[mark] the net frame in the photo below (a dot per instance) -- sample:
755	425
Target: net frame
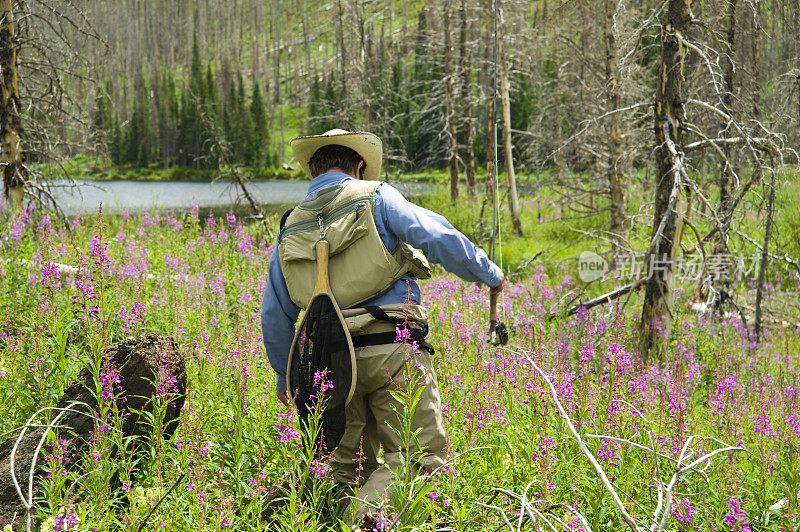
322	353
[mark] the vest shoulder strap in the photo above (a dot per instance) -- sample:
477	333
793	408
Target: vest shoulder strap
327	198
335	194
358	187
284	218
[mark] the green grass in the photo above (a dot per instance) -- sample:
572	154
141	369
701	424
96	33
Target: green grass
556	244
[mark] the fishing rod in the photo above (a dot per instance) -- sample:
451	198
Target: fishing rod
498	333
495	206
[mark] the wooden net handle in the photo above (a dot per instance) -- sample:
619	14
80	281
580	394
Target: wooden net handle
322	249
492	312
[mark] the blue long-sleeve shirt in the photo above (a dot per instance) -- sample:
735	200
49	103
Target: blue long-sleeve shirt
396	219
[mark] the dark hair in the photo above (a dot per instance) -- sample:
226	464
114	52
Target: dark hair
335	156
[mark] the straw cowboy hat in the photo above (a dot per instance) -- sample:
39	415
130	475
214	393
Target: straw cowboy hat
367	145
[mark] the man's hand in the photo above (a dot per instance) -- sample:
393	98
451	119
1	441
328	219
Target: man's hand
284	398
494	290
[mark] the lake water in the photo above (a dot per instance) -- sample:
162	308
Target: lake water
136	196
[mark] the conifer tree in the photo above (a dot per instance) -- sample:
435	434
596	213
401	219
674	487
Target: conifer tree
261	139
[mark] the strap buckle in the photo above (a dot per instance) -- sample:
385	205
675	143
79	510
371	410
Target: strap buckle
321	227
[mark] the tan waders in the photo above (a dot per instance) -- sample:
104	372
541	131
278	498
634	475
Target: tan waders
371	413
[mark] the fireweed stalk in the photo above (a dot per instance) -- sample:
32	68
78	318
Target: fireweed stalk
200	280
311	501
410	496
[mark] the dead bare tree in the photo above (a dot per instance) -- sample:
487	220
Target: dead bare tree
712	78
508	149
221	149
41	120
450	130
11	158
722	282
466	98
659	299
762	268
616	177
595	141
490	74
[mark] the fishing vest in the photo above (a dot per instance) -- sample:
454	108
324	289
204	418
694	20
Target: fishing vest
360	266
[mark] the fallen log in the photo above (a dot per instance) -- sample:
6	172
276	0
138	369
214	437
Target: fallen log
141	364
601	300
72	271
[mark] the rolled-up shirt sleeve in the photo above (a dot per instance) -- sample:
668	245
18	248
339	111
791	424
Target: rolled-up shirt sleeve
437	238
278	317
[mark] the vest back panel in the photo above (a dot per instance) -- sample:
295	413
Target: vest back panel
360	266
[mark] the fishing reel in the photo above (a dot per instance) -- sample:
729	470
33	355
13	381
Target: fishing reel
498	334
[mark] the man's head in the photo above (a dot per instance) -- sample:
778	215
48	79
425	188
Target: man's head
342	150
336	157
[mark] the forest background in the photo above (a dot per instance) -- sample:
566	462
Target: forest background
265	72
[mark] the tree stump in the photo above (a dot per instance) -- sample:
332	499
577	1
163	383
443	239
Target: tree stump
147	367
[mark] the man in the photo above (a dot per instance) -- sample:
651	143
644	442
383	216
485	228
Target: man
376	230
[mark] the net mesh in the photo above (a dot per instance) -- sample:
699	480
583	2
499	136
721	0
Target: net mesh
321	370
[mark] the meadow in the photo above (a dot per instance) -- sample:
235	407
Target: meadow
707	439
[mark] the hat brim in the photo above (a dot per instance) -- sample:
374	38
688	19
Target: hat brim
367	145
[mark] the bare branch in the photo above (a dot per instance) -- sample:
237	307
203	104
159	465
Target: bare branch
761	142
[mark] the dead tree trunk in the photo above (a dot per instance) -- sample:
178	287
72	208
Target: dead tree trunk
449	107
307	41
762	269
669	114
466	102
490	148
720	280
511	180
340	20
255	46
489	73
756	51
616	179
491	140
11	156
278	48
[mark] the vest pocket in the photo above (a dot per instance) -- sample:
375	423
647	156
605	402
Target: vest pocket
348	230
299	247
415	261
341	234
